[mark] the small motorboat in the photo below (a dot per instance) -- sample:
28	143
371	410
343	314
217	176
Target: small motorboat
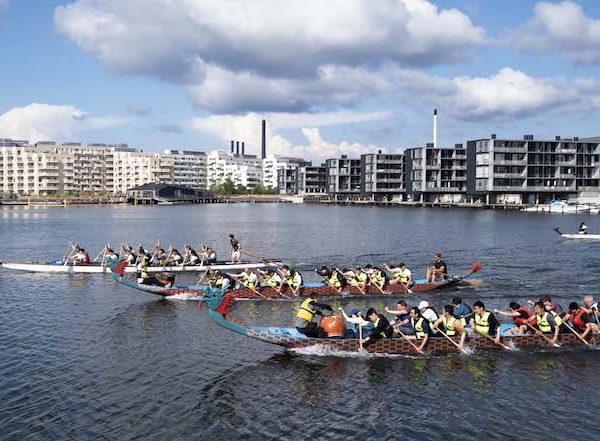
568	207
578	236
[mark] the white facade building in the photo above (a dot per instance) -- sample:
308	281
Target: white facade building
189	168
273	163
241	169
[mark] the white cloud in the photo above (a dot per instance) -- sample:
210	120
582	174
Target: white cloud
39	122
507	93
563	27
248	128
269	54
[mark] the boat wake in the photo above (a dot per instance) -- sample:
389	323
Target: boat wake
187	296
324	351
512	347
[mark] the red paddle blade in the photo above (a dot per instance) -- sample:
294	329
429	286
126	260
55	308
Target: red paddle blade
476	266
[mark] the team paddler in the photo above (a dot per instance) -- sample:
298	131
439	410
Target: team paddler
438	271
247	278
332	277
591	308
305	317
381	327
452	326
581	320
376	276
421	327
401	275
111	257
159	258
520	316
355	318
357	278
484	322
271	278
219	279
402	320
462	311
548	322
208	255
291	278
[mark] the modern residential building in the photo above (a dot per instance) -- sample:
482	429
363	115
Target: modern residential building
132	169
436	174
189	168
343	176
287	181
242	169
533	171
312	180
382	175
272	164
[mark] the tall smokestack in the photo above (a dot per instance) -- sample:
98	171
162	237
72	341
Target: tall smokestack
264	139
243	148
231	146
237	147
434	128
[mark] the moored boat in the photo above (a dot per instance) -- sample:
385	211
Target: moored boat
97	267
568	207
322	289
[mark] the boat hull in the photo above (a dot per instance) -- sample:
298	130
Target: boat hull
290	339
98	268
581	236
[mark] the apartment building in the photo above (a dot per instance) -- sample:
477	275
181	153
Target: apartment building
533	171
242	169
272	164
189	168
343	176
132	169
312	180
382	175
436	174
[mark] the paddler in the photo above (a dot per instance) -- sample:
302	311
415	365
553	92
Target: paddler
402	320
357	278
428	312
159	258
332	277
176	258
591	308
484	322
111	257
129	256
549	305
520	316
221	280
583	228
271	278
421	327
381	327
462	311
191	256
305	317
452	326
355	318
247	278
438	271
401	275
291	278
208	255
580	320
236	249
548	322
81	257
377	277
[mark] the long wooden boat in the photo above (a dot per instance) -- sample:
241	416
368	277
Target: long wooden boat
322	289
290	338
97	267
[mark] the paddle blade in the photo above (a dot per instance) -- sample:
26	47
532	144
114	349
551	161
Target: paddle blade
476	266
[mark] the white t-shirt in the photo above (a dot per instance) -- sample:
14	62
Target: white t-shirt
430	315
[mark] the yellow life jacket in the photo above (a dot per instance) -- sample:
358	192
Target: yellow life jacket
248	282
294	281
273	281
144	272
378	279
482	325
449	325
418	327
334	280
306	312
401	276
358	279
543	323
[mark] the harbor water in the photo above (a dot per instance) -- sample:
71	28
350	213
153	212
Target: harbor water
82	357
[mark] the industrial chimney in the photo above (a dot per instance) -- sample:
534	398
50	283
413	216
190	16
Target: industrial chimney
243	148
237	147
434	128
232	146
264	139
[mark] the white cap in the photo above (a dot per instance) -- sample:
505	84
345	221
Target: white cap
423	304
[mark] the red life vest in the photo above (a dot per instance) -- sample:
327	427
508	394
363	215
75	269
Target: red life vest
578	322
86	258
520	320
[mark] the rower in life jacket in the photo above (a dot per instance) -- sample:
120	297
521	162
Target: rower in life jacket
332	277
376	276
453	327
305	317
291	278
581	320
271	278
548	322
381	327
484	322
401	275
520	316
247	278
421	327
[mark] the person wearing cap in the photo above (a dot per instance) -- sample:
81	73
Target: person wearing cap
438	271
427	312
236	249
381	327
452	326
580	320
462	311
355	318
484	322
305	317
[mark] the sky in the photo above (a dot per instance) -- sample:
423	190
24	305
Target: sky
330	78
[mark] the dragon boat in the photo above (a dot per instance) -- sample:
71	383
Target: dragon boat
60	266
322	289
291	339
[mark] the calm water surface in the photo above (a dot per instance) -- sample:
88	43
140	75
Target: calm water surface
84	358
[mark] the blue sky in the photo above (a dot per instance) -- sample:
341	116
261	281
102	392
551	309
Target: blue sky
344	78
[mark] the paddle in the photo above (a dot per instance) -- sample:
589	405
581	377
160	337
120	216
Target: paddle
67	251
405	285
361	347
408	340
70	254
489	337
556	345
168	255
463	350
376	285
357	284
576	333
101	252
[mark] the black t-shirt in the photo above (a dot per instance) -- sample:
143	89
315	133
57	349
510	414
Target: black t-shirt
235	244
440	264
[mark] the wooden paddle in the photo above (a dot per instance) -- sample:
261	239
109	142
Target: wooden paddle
409	340
576	333
70	247
489	337
168	255
361	348
376	285
463	350
69	258
102	251
549	340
